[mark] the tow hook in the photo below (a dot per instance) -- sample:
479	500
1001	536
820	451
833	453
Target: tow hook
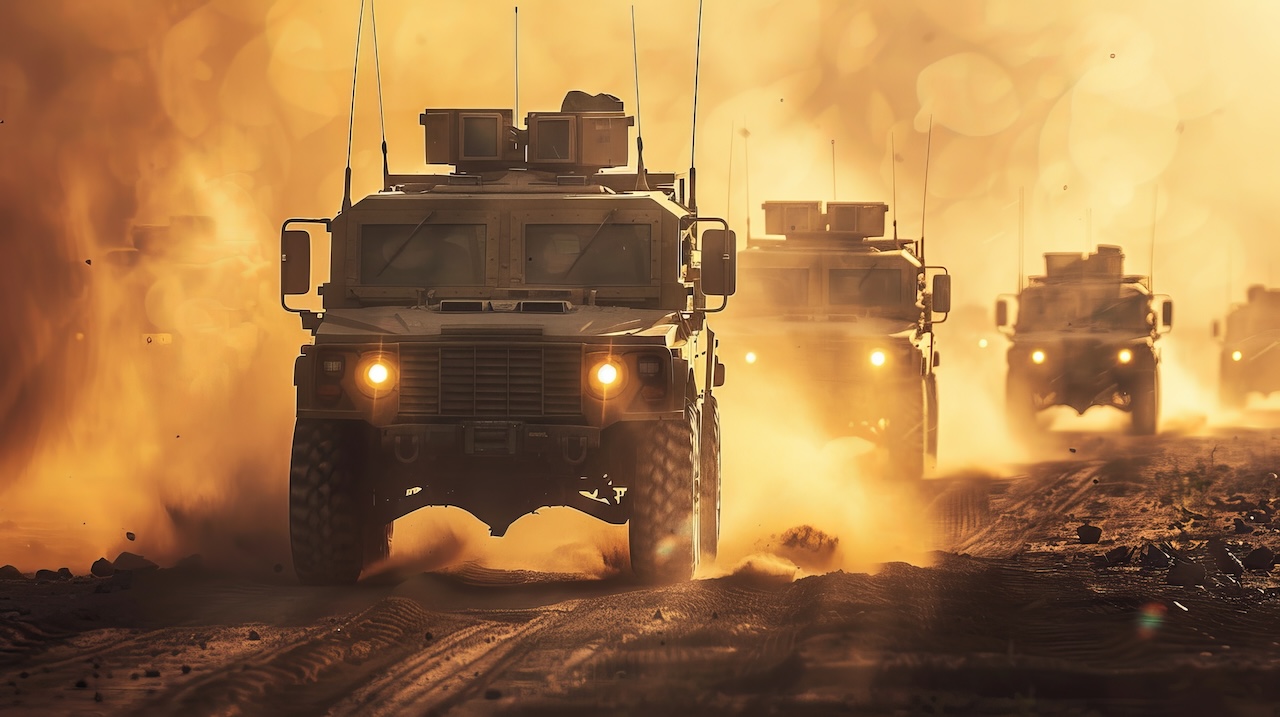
417	450
565	446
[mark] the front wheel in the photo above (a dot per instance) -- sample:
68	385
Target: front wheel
1020	408
709	482
1145	397
663	521
328	524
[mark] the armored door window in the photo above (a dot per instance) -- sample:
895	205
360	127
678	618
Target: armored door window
869	287
778	288
422	255
588	254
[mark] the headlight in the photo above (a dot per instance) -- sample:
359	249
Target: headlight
751	357
1125	356
1236	355
607	377
377	374
1037	356
982	343
877	358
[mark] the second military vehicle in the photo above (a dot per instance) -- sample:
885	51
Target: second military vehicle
848	315
1083	335
1250	360
526	331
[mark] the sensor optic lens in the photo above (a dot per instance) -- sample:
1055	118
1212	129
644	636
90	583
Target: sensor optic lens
1037	356
1125	356
877	358
1236	355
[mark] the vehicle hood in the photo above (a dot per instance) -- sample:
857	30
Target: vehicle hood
816	328
578	323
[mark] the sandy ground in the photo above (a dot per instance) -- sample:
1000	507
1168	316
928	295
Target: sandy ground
1017	616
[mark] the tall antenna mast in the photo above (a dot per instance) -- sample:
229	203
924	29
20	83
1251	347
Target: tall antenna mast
728	191
1088	229
833	168
517	61
924	195
693	140
893	173
351	117
746	169
642	176
382	117
1155	200
1022	246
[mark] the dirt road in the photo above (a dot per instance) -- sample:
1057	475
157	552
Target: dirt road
1017	616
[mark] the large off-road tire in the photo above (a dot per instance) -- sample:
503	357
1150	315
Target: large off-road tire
1231	395
1144	394
377	542
328	503
931	417
1020	408
709	481
664	523
907	440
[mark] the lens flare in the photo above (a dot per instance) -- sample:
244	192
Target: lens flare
377	373
751	357
1236	355
877	358
1037	356
607	374
1125	356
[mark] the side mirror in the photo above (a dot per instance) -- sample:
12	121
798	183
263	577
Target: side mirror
719	262
1166	314
717	375
942	293
1002	314
1217	329
295	262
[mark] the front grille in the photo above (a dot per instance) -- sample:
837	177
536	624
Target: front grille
491	381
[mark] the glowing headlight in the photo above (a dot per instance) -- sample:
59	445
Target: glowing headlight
751	357
377	374
1037	356
1236	355
877	358
1125	356
607	377
982	343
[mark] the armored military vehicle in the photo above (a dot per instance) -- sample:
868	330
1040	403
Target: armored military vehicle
847	314
525	331
1250	359
1083	335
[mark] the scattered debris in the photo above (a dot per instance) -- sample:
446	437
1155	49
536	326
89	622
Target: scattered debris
1242	527
153	673
9	572
1118	555
1089	534
186	669
89	262
129	535
657	615
492	694
49	575
132	561
1260	559
1072	450
1186	573
65	573
1153	556
97	696
102	568
1223	558
254	636
428	637
81	685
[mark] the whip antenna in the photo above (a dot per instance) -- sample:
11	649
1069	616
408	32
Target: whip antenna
728	191
693	172
642	176
746	169
382	118
1022	251
1155	199
924	199
351	118
517	61
833	169
893	174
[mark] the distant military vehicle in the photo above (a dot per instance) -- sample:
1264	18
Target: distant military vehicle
1084	335
1250	347
526	331
846	314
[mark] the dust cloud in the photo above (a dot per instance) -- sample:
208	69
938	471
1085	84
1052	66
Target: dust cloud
121	115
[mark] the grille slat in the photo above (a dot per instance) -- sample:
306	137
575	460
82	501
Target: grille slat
490	381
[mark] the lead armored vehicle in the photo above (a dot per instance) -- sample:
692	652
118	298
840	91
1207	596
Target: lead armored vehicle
847	316
1250	360
525	331
1084	335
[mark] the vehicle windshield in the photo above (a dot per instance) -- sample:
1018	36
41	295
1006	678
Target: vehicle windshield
425	255
871	287
588	254
779	288
1067	307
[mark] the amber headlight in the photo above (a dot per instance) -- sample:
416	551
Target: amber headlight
1125	356
376	374
1037	356
1236	355
751	357
607	376
877	358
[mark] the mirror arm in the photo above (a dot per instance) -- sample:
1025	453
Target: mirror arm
284	302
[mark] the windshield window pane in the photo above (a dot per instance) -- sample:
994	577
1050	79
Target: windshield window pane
434	255
568	255
1077	307
866	287
775	287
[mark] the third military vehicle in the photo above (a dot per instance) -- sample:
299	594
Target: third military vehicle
1084	335
1250	347
847	314
524	331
